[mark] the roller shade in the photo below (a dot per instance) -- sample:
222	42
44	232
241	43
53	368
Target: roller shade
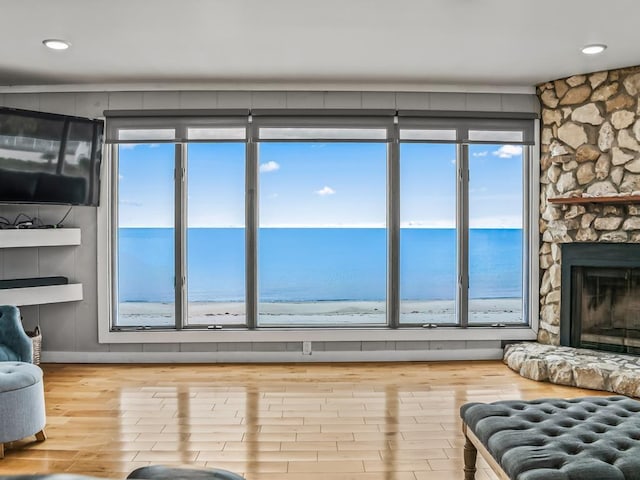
319	125
516	128
176	126
327	125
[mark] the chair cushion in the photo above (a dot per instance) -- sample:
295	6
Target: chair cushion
8	355
17	375
553	439
13	336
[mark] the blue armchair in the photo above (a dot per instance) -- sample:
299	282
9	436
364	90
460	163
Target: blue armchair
15	344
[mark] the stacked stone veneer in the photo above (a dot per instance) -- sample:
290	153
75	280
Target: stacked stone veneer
589	146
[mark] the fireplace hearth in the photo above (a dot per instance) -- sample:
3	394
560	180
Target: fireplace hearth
578	367
600	307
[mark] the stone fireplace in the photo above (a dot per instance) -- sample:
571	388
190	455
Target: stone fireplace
590	151
590	228
600	307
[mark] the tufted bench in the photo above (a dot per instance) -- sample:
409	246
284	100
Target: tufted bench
554	439
21	402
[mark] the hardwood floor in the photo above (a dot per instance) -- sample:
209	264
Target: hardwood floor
386	421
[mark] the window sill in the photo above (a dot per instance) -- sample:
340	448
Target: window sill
319	335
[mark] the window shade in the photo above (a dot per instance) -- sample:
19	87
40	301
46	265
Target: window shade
176	126
490	128
362	125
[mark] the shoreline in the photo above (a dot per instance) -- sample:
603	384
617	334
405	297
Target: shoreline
325	312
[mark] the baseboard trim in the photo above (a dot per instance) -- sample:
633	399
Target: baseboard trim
273	357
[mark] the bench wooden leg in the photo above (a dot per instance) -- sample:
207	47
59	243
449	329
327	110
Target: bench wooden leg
470	456
1	450
41	436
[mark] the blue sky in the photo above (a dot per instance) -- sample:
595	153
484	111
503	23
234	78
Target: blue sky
320	184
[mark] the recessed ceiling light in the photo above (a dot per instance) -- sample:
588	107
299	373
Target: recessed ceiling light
55	44
594	49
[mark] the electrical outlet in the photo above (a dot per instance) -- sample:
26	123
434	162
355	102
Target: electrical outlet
306	348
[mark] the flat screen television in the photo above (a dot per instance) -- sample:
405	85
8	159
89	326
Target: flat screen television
49	158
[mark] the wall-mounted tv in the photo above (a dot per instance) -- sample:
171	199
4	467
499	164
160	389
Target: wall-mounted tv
49	158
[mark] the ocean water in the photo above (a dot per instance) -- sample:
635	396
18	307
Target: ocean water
317	264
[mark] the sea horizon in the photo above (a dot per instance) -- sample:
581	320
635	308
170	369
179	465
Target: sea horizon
304	264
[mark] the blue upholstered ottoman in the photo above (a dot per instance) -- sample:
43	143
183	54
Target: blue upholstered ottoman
592	438
22	410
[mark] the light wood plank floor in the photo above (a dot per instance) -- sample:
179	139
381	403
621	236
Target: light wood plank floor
386	421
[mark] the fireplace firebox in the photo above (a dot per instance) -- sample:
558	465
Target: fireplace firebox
600	296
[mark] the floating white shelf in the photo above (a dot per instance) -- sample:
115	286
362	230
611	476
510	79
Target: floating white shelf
40	295
39	237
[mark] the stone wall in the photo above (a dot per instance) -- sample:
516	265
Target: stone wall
589	147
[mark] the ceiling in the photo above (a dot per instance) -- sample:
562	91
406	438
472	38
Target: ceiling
313	44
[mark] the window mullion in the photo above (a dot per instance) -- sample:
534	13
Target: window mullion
527	219
251	232
114	234
180	234
462	301
393	229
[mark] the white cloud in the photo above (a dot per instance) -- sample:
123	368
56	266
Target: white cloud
120	176
508	151
130	203
131	146
480	154
324	191
270	166
434	223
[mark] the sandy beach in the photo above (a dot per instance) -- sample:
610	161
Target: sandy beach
497	310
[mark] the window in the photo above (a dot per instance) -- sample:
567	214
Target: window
428	238
322	252
495	234
180	228
267	222
215	234
146	236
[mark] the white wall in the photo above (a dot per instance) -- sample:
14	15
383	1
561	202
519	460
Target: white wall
70	330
